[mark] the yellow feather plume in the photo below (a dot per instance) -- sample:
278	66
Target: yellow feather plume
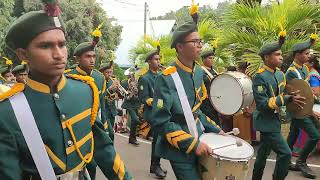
194	8
97	32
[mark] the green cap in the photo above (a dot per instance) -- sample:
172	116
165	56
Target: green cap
106	65
4	70
301	46
151	54
269	48
28	26
82	48
19	68
206	53
181	32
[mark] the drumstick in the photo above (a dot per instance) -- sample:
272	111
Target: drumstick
238	143
234	131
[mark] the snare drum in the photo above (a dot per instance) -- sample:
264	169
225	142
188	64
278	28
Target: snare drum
231	92
229	160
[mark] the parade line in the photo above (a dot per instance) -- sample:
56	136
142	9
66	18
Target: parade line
269	160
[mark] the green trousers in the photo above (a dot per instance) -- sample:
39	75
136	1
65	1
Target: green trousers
185	171
309	126
272	141
133	123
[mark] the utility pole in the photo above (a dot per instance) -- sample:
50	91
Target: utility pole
145	21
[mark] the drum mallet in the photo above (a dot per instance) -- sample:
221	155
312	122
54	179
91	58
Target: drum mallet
235	131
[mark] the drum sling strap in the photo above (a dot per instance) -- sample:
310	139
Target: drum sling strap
32	136
208	72
299	75
191	123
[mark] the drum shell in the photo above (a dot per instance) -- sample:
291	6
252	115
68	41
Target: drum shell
231	92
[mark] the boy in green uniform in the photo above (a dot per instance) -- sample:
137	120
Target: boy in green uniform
146	90
206	106
298	70
268	88
131	104
175	141
86	56
64	108
21	73
111	92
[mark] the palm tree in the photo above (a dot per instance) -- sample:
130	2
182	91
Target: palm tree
245	29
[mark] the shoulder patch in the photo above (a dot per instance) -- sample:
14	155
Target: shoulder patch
261	70
169	70
292	68
19	87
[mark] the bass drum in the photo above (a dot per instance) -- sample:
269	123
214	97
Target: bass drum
230	92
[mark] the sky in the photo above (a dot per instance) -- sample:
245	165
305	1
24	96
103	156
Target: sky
130	15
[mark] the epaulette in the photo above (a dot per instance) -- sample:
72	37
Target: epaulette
261	70
67	71
292	68
169	70
19	87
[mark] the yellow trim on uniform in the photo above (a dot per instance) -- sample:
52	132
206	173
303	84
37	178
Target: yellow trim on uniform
118	167
80	143
67	71
183	67
18	87
169	70
268	68
87	160
282	100
261	70
79	166
55	158
44	88
106	125
177	139
62	83
149	101
272	103
204	96
297	65
80	71
191	145
174	134
38	86
76	118
211	121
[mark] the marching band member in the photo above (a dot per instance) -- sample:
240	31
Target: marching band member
85	55
268	87
176	142
206	106
21	72
59	131
146	90
6	73
111	92
131	104
298	70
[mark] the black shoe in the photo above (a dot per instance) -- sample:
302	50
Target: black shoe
305	170
293	167
134	142
160	174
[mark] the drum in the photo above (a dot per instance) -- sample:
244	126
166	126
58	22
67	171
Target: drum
231	92
229	161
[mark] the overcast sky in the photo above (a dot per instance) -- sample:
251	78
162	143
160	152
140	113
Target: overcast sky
132	10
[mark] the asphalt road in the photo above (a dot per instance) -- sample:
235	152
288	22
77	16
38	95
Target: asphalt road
137	160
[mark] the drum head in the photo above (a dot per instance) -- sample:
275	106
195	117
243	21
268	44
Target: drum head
226	94
233	152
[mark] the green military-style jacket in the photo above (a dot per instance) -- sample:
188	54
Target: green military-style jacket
111	108
146	90
69	126
292	74
100	81
174	140
132	103
268	88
